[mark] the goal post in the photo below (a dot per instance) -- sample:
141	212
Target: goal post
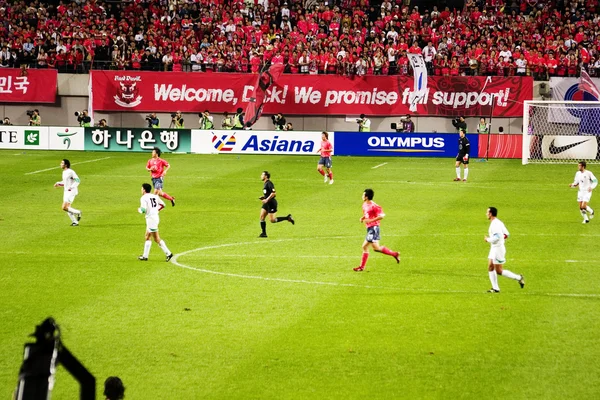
561	131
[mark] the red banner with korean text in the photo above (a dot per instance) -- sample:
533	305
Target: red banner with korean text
28	86
309	94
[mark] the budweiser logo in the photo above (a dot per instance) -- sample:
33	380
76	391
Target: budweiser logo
128	78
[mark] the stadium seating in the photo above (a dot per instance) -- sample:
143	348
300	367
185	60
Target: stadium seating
540	38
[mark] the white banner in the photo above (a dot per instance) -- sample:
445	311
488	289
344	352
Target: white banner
567	89
23	137
420	79
66	138
256	142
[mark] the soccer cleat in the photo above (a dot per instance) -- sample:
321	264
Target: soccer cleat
169	257
331	182
592	215
358	269
586	221
456	179
74	224
262	235
142	258
291	219
78	217
325	179
397	257
492	290
464	180
522	282
173	202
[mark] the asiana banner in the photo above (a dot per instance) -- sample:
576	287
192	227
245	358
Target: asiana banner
309	94
28	86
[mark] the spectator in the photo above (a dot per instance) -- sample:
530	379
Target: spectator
113	388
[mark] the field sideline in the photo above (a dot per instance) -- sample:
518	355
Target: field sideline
235	316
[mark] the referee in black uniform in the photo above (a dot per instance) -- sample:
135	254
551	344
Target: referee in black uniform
269	205
464	148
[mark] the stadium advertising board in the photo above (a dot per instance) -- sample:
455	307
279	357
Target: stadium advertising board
23	137
66	138
501	146
400	145
34	86
559	147
137	139
308	94
257	142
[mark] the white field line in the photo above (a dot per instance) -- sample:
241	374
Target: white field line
175	261
50	169
380	165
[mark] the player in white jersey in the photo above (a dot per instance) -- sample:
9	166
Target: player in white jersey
151	204
497	234
70	182
586	181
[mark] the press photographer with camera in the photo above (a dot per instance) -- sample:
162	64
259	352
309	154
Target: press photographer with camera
153	121
34	117
177	120
206	120
406	125
102	123
460	124
278	121
83	119
364	123
5	121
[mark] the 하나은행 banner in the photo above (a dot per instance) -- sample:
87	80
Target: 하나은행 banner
31	86
137	139
309	94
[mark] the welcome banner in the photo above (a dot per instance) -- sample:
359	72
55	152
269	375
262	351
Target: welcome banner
28	86
309	94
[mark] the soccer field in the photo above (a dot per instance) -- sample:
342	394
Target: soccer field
233	316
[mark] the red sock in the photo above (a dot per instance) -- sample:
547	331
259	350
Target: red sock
166	196
363	262
321	172
331	175
387	251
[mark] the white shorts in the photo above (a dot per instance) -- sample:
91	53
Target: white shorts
152	223
497	255
584	196
69	197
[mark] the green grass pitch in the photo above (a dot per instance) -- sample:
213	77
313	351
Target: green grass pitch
238	317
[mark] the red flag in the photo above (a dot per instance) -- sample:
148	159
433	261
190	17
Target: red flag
267	78
587	85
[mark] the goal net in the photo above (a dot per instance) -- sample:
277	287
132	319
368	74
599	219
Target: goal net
561	131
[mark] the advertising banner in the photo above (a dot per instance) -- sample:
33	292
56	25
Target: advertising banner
394	144
501	146
137	139
570	148
257	142
66	138
309	94
33	86
23	137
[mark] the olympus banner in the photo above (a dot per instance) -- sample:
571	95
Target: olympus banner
399	144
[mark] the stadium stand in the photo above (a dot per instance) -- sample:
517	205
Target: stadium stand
349	37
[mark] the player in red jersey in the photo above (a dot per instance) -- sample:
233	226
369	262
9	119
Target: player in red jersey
372	214
325	160
158	169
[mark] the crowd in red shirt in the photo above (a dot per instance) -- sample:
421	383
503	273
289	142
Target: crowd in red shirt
540	38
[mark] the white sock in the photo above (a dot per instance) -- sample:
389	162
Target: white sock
589	209
147	245
72	217
458	172
494	279
511	275
584	213
466	172
164	247
74	211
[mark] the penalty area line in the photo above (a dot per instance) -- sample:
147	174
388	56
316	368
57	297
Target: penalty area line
82	162
380	165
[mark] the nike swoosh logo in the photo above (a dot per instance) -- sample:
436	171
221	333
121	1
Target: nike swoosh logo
556	150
